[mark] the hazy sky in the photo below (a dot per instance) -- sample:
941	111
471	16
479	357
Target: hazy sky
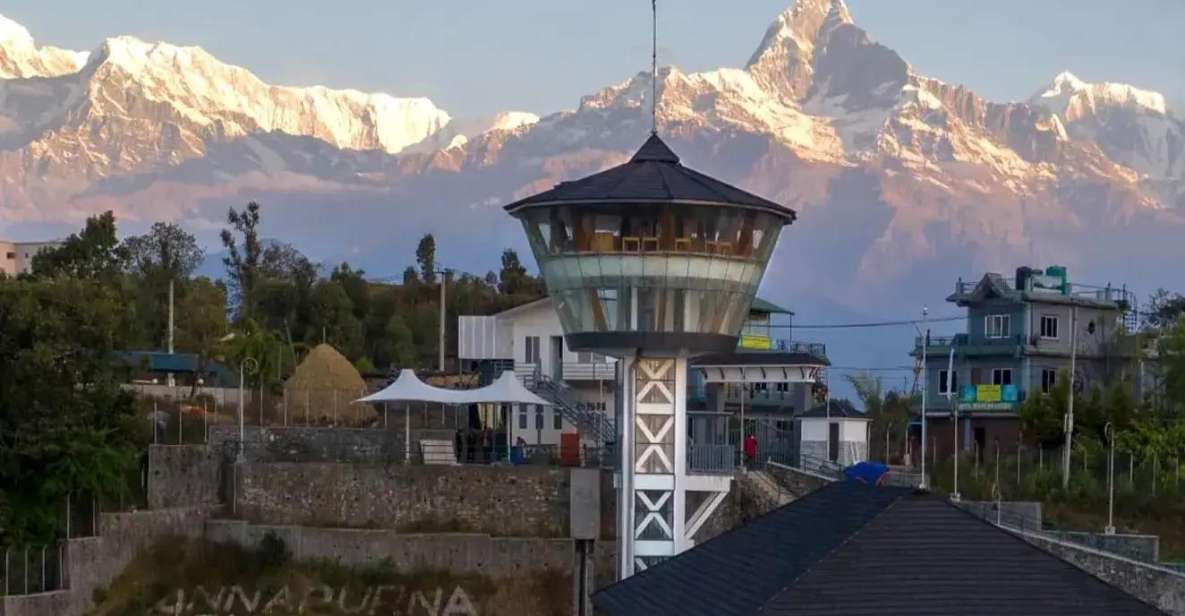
475	57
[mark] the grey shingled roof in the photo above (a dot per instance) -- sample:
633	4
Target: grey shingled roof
654	174
854	549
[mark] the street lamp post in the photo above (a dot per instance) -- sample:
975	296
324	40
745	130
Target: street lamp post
443	280
925	386
242	386
953	401
1069	419
1109	430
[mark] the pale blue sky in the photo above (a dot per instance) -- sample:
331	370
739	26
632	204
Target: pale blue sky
477	57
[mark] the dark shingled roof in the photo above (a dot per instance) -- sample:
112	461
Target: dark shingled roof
838	409
854	549
654	174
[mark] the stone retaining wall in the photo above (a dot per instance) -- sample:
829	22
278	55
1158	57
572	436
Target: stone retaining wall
1156	585
496	500
93	562
457	553
1144	548
183	476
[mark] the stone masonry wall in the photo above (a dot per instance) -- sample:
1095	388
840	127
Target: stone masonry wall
498	500
1145	548
94	562
183	476
1158	586
458	553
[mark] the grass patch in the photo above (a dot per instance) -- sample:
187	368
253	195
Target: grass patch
189	577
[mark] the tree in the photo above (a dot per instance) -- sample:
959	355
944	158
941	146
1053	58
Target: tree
242	263
889	412
166	252
93	253
403	343
166	255
1164	310
426	258
510	278
202	324
355	286
333	318
65	422
1042	415
1172	357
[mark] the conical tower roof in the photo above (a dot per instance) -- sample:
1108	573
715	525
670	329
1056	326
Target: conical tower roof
653	175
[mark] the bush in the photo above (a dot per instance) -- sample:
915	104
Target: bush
273	552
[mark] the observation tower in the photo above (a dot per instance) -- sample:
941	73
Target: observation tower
653	263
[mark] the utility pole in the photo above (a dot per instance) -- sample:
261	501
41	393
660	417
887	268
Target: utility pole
1069	419
443	280
925	386
953	401
170	379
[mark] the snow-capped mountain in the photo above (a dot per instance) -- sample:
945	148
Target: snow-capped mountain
901	180
1133	127
21	57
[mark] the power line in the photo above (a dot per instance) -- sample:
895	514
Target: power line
870	324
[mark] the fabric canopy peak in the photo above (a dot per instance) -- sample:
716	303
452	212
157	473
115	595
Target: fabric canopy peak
409	388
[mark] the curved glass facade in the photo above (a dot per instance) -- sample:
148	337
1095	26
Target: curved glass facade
669	268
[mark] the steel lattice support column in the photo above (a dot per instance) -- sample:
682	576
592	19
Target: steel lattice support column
654	461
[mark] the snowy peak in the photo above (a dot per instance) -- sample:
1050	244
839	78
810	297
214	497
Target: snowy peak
805	23
1073	98
20	57
189	87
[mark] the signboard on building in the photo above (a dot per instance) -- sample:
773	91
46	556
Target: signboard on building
988	393
751	341
988	397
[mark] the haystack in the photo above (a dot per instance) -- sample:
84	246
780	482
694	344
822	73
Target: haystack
323	387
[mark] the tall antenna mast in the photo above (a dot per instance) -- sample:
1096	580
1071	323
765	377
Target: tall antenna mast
654	68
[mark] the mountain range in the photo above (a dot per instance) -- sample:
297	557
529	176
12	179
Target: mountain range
903	182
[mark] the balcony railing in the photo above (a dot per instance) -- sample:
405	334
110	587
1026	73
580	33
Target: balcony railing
711	459
964	341
757	342
1081	291
589	371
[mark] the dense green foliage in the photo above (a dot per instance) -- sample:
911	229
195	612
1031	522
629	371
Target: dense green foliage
67	427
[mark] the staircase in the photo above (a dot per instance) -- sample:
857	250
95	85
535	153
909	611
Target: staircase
590	423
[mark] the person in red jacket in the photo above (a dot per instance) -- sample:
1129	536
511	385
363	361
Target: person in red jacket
751	450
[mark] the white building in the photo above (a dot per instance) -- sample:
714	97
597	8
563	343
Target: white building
530	340
17	257
835	434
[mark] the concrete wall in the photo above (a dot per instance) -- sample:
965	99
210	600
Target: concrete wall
1158	586
457	553
1017	514
1144	548
183	476
94	562
498	500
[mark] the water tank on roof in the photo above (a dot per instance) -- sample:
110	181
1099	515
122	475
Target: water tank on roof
1058	272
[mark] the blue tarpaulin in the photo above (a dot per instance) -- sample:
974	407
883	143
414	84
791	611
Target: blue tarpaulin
866	472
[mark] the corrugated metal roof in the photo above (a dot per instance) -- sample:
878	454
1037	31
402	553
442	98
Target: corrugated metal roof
654	174
854	549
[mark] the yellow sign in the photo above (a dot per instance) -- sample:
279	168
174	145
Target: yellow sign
988	393
749	341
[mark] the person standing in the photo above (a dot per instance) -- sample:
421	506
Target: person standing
750	450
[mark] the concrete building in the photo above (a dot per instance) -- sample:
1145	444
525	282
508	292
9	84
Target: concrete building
530	340
1018	343
17	257
834	433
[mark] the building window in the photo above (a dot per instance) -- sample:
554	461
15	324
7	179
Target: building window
538	417
783	387
1049	327
11	256
557	419
522	418
948	381
531	350
1048	379
997	325
1002	376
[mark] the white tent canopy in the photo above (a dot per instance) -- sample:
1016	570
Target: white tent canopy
409	388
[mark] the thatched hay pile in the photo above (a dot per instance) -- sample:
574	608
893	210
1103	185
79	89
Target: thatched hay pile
323	387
